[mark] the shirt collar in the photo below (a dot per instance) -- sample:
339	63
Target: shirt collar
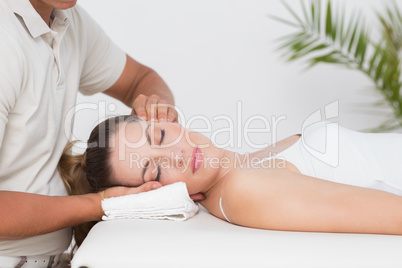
33	21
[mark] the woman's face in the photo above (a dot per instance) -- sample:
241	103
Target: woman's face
166	152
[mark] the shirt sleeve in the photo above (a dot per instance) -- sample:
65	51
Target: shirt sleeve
11	80
104	61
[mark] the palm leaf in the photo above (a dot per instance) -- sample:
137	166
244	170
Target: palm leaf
306	17
311	49
346	35
374	59
292	12
361	46
325	35
284	21
352	37
328	22
341	33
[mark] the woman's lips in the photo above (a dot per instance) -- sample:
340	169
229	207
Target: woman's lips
196	159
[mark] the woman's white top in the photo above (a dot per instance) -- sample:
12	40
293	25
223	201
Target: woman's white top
330	152
41	70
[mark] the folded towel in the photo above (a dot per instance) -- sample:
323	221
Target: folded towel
170	202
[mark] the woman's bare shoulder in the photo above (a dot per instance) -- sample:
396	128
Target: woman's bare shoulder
253	177
245	188
246	178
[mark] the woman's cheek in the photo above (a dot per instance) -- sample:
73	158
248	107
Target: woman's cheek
172	177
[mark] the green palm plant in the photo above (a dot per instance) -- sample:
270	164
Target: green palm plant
325	35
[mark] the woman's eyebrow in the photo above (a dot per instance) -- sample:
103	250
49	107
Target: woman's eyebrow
144	170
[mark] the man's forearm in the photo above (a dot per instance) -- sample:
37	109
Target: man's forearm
151	83
24	215
139	79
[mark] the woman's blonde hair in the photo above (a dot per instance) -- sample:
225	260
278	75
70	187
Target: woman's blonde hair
90	172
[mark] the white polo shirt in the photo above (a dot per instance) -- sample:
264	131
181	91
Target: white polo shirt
41	70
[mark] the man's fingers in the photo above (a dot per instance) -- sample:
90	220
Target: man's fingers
121	190
151	107
154	108
139	106
172	115
197	197
162	111
149	186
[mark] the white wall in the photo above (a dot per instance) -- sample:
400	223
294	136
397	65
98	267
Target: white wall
218	54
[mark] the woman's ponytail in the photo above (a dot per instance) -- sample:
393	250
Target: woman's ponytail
90	172
72	169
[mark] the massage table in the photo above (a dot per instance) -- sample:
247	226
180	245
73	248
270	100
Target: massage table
206	241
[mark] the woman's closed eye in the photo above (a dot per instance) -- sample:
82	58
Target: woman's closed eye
158	176
152	135
162	136
152	171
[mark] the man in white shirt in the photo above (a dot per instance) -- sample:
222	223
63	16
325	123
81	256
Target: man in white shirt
50	49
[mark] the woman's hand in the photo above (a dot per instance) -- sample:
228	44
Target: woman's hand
154	108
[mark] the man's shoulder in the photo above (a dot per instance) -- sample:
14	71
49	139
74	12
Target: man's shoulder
9	21
11	40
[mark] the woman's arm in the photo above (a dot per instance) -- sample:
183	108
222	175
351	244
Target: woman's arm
279	199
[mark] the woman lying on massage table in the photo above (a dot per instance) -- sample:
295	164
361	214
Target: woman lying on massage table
329	179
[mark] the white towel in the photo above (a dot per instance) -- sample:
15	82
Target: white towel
170	202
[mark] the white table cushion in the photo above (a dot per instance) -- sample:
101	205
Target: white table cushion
206	241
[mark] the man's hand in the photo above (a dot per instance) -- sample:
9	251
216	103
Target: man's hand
121	190
148	186
197	197
153	108
139	87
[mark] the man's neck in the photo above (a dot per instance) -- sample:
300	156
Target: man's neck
45	11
